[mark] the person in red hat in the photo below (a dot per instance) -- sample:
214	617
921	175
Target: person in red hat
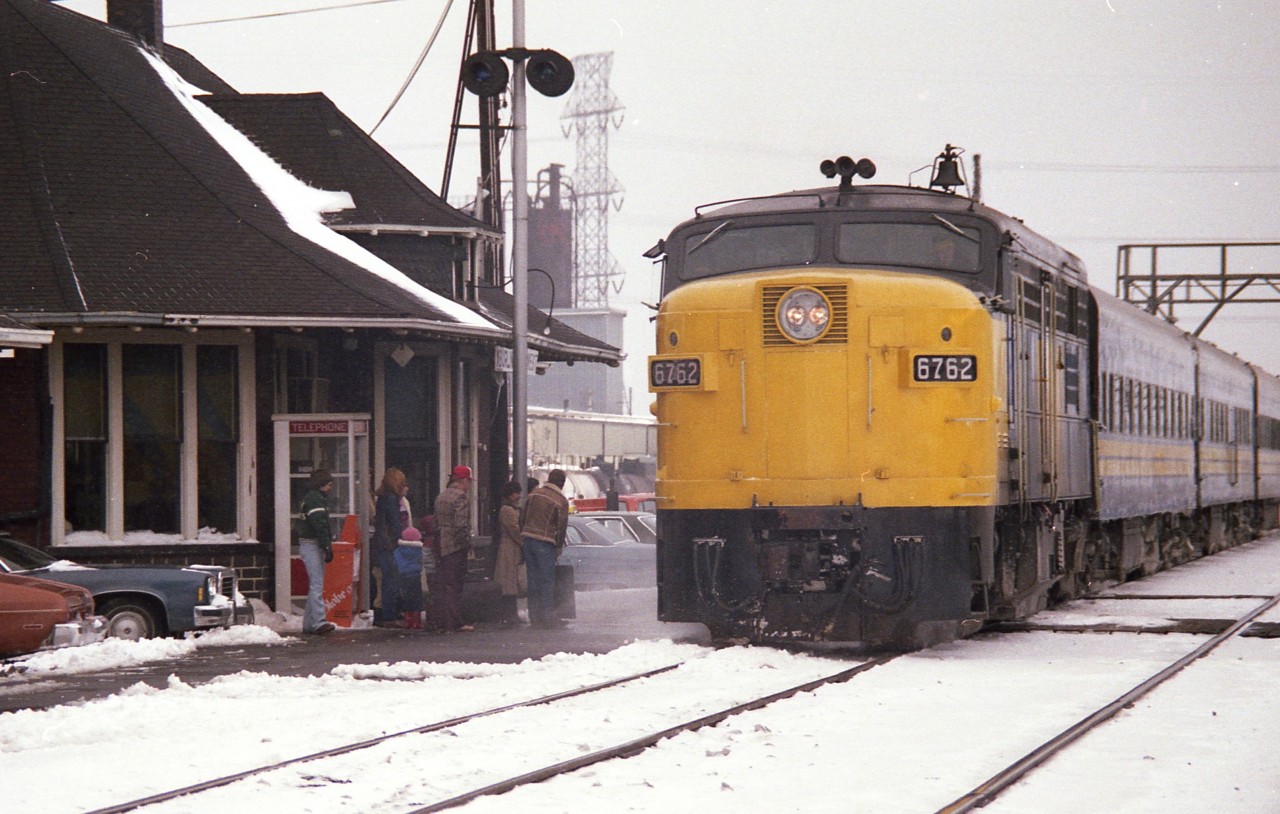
453	529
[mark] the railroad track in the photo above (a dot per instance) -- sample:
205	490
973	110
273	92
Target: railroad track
630	746
1211	626
988	791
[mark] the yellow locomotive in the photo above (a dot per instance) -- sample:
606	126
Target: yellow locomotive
878	419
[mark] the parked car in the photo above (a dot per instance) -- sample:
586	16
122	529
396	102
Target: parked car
36	614
604	557
639	526
141	601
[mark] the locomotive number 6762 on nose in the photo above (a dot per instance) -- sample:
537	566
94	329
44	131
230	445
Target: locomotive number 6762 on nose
945	368
685	372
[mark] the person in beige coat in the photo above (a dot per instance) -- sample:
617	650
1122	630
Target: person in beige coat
510	558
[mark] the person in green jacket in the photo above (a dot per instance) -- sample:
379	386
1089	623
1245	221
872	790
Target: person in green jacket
315	546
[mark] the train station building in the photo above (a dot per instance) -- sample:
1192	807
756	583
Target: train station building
206	294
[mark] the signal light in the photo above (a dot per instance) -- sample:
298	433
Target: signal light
548	72
485	74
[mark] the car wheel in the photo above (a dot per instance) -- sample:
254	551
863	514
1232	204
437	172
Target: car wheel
128	619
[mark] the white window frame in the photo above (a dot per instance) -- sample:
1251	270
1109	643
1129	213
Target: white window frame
246	464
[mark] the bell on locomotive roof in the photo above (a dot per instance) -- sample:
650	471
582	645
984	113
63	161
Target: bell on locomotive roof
946	169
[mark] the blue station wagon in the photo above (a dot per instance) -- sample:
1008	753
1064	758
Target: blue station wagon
140	601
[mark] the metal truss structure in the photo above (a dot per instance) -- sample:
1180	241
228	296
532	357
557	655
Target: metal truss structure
1159	277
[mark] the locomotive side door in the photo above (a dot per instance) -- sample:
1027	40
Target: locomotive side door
1031	380
1049	381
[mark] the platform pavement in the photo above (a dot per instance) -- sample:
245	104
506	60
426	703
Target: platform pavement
605	621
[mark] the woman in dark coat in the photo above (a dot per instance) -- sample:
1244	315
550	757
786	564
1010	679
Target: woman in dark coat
388	522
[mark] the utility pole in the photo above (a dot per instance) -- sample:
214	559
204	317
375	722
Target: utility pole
519	258
485	74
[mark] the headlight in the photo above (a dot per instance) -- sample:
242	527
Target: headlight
207	592
804	314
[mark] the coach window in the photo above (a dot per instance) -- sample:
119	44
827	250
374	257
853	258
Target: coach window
1139	407
1140	398
1115	402
1131	405
1153	416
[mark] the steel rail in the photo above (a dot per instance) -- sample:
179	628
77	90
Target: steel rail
988	791
227	780
640	744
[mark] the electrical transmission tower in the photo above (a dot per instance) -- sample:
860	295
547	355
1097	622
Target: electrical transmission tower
588	114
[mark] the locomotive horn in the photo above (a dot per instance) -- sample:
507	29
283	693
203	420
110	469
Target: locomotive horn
846	168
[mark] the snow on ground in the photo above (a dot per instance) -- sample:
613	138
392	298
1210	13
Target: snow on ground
111	654
905	737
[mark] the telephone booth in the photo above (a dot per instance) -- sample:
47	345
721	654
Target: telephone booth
338	442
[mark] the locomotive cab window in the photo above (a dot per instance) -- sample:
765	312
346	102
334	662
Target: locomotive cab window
944	246
731	247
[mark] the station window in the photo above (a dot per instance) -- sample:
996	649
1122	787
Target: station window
84	383
152	412
218	415
151	432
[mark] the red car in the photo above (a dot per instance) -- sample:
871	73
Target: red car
36	613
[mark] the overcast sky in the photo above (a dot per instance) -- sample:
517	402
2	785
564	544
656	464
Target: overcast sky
1099	122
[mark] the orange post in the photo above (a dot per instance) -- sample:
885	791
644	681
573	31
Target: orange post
339	587
341	574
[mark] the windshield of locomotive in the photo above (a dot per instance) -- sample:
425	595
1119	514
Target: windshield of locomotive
941	245
730	247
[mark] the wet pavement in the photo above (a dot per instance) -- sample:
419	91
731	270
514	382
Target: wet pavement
605	621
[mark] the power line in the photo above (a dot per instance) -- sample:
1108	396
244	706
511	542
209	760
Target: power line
426	49
282	13
1145	169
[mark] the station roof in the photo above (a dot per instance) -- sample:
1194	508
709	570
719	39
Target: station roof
122	207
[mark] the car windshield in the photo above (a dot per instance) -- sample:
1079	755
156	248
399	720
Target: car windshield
16	556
